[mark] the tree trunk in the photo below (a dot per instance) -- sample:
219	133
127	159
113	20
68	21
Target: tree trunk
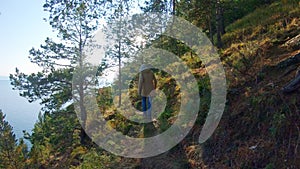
120	84
211	35
222	22
218	23
83	113
174	8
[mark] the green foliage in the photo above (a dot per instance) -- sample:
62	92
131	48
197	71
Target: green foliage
270	166
41	86
13	155
104	98
205	98
262	20
96	159
156	6
237	9
53	84
244	60
75	21
259	17
277	123
54	135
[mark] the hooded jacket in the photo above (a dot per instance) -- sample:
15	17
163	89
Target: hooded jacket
147	81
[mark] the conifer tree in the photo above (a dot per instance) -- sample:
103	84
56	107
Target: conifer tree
12	155
75	21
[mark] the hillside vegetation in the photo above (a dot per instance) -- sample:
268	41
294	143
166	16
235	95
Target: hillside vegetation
260	127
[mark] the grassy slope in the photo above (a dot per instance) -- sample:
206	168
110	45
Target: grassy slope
260	126
257	114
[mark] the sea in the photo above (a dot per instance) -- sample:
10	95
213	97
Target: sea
20	114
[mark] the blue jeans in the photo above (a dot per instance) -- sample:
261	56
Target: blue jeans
146	105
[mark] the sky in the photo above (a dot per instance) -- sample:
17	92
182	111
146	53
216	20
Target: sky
21	28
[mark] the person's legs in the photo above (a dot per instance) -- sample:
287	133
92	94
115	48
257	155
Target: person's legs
149	108
146	107
144	104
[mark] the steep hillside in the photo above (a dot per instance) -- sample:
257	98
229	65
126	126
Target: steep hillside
260	127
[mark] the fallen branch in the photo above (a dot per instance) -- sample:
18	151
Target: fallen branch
295	41
290	61
293	84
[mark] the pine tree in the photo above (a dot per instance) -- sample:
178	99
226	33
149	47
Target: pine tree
121	45
12	155
75	21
